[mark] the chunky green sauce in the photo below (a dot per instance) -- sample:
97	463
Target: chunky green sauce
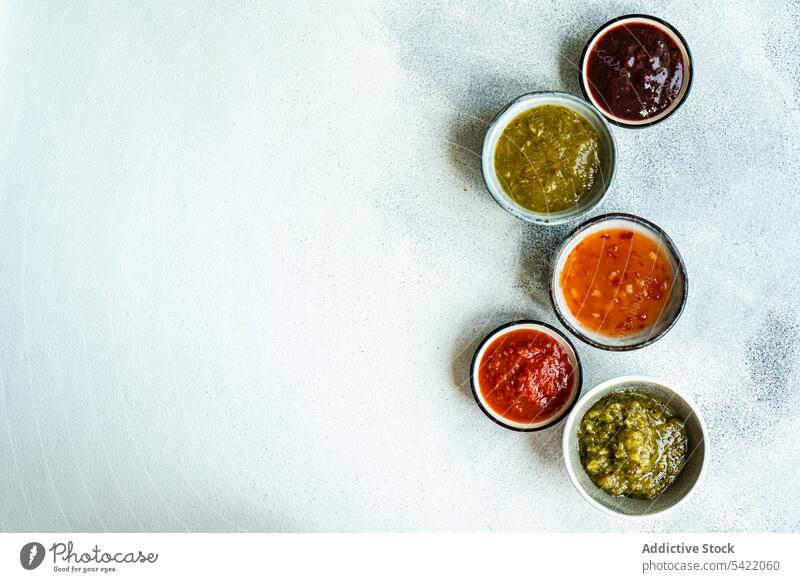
631	445
548	158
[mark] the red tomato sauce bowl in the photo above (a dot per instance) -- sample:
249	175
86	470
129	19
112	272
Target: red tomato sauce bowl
526	375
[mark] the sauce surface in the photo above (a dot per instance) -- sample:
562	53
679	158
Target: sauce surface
632	445
635	71
617	282
525	375
548	158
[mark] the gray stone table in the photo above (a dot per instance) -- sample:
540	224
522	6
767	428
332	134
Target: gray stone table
246	256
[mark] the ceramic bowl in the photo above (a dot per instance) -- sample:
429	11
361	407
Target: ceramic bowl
608	158
575	388
678	292
680	489
597	100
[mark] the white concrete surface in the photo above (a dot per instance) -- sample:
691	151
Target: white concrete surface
246	255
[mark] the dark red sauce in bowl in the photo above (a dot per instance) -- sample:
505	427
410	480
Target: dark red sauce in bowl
636	70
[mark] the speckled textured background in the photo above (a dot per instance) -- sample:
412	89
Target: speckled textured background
246	255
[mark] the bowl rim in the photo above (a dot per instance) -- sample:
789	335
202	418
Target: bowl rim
607	26
515	209
668	242
556	418
634	379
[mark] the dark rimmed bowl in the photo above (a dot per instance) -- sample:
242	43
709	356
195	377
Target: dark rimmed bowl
678	293
577	379
688	73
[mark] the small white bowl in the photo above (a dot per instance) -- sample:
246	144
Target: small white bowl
608	155
575	388
686	481
678	292
664	27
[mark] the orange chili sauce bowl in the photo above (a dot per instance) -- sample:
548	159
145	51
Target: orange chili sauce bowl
576	376
677	292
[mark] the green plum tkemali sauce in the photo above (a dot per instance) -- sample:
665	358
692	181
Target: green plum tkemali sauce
631	445
548	159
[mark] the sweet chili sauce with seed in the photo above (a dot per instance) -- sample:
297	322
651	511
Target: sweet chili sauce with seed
617	282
